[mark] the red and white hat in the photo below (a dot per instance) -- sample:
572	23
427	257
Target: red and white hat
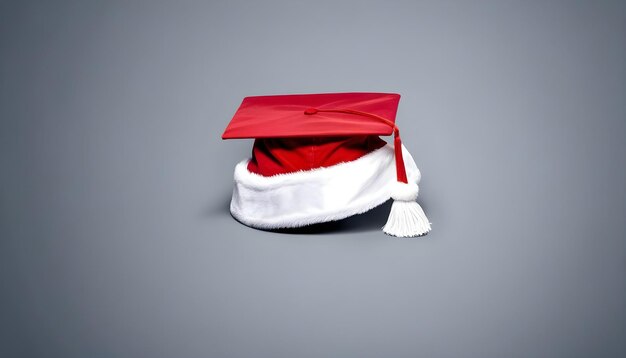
319	158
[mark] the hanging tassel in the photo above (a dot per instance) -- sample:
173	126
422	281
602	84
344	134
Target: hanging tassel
406	219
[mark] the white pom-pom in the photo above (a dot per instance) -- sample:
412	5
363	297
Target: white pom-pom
404	191
406	219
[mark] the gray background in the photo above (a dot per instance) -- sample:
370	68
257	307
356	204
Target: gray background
116	239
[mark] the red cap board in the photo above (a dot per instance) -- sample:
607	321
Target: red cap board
284	116
313	153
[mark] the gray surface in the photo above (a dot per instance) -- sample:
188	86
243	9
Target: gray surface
115	235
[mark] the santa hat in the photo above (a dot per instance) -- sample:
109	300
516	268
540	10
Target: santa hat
319	158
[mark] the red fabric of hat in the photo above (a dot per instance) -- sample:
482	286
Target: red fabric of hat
271	156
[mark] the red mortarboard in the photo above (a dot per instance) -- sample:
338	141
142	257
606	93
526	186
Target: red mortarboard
286	115
305	136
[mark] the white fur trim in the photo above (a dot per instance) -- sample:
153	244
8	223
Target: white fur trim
319	195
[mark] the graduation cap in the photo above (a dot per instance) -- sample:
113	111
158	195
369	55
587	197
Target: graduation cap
319	158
